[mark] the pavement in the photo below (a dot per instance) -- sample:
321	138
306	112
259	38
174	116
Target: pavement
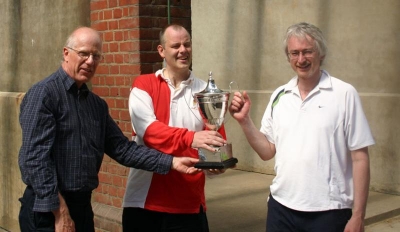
237	202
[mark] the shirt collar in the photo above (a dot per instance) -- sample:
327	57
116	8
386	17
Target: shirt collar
324	82
70	85
186	82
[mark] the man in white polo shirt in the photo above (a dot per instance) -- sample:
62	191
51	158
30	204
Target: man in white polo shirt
317	131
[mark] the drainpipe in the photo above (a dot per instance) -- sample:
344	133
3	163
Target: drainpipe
169	13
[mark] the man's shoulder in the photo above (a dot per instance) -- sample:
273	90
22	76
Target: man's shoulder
341	85
146	77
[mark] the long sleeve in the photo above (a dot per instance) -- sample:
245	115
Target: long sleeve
38	133
130	154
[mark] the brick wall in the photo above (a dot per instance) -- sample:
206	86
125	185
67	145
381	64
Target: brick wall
130	31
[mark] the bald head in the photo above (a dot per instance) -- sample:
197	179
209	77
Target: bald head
84	35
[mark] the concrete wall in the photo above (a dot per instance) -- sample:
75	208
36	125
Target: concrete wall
10	177
242	41
32	34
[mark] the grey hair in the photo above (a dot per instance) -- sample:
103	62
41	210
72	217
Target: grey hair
303	29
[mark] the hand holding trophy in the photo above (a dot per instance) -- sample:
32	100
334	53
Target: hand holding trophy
213	105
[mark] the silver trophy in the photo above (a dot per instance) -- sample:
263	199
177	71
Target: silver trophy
213	105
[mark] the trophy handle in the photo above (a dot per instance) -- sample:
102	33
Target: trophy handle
230	86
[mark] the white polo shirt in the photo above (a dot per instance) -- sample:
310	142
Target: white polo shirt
313	140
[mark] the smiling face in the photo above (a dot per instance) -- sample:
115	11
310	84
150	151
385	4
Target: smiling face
306	61
176	49
83	40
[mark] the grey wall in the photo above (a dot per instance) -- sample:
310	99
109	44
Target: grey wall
242	41
33	34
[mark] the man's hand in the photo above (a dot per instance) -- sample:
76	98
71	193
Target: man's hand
63	221
240	106
355	224
204	139
185	165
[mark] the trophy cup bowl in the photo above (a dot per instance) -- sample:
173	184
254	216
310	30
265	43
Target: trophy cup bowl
213	105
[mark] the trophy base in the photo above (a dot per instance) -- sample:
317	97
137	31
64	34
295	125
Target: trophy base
217	165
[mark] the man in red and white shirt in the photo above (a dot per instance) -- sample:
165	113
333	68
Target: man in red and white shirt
165	117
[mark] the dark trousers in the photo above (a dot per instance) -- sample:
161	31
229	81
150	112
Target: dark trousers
281	218
142	220
79	207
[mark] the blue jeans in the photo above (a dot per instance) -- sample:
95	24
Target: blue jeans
281	218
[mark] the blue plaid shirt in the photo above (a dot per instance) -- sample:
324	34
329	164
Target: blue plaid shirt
65	133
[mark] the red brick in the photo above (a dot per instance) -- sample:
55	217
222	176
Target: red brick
108	36
110	80
114	69
117	181
119	58
128	2
132	34
102	69
113	47
150	57
113	25
105	178
108	14
111	102
94	16
108	58
132	58
124	114
100	26
101	91
125	91
114	91
121	190
120	103
119	81
134	11
112	190
95	80
98	5
116	202
117	13
129	69
118	35
146	45
129	23
180	12
114	114
112	3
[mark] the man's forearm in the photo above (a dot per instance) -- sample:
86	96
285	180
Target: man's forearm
361	179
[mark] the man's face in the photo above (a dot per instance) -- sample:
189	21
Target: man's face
177	49
81	60
304	57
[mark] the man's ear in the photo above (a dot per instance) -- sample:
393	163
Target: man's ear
65	53
160	50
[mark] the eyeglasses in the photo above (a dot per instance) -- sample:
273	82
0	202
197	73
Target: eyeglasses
294	55
86	55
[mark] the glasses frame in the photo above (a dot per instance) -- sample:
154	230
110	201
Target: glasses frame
307	53
86	55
